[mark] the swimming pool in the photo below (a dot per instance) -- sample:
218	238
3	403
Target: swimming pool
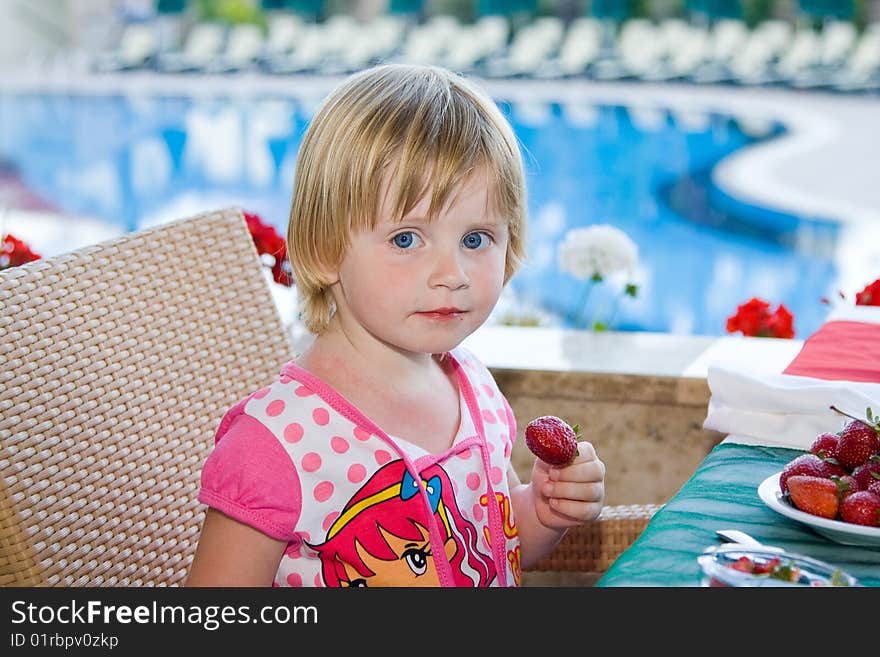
136	160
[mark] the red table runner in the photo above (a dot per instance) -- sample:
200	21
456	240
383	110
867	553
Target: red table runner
840	350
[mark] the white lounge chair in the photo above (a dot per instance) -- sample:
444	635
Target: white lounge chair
244	49
306	54
726	38
861	70
429	42
323	47
755	62
690	51
533	46
282	34
473	44
802	55
641	49
202	46
373	42
138	44
836	43
581	46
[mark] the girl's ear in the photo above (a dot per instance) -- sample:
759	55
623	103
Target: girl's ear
330	278
327	274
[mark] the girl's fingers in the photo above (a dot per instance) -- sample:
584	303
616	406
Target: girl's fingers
578	491
579	511
593	470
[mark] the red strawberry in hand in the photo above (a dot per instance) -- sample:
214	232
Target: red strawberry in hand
814	495
552	440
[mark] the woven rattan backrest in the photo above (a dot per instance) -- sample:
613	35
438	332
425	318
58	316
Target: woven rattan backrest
117	362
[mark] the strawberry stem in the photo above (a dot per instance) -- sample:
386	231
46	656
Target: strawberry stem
837	410
872	422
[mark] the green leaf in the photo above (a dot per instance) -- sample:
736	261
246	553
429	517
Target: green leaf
632	290
842	486
597	277
599	326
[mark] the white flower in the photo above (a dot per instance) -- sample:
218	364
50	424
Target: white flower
511	310
597	251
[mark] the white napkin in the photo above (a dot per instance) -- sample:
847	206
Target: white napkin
782	410
867	314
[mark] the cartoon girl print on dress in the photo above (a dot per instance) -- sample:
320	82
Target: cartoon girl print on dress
382	536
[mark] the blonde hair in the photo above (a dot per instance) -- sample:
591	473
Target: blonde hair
423	127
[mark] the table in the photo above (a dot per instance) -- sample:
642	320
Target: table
722	493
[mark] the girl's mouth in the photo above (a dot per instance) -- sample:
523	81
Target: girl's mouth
442	313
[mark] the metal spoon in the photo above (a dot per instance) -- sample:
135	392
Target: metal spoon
741	538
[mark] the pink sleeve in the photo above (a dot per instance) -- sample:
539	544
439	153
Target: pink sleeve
250	478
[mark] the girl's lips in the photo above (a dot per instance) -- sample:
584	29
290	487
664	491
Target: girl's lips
442	313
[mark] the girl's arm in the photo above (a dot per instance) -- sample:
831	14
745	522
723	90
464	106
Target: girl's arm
231	553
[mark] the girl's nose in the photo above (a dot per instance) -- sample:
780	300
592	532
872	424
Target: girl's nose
448	271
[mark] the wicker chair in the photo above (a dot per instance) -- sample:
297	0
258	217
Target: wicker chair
589	550
116	364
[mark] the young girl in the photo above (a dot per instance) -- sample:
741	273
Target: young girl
381	456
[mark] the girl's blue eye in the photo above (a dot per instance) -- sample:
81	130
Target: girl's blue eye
404	240
475	240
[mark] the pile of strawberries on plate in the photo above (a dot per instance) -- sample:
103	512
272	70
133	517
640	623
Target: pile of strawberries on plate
840	478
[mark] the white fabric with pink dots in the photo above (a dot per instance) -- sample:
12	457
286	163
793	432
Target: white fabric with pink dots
289	457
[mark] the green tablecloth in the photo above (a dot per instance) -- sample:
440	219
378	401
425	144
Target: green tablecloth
723	493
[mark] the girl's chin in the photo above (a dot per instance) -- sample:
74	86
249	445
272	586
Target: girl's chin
433	346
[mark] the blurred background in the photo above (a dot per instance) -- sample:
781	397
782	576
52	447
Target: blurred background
665	38
733	142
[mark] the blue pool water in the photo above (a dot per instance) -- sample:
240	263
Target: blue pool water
135	160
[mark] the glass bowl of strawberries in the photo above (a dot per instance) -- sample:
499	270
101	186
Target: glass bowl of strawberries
735	565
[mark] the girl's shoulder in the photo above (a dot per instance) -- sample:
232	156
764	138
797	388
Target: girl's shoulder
473	368
294	393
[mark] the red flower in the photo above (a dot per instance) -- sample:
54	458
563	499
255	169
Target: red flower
754	318
269	242
14	252
748	317
870	296
780	324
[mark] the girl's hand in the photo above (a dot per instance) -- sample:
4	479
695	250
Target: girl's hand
567	496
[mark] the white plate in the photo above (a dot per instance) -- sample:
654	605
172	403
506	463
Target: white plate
837	530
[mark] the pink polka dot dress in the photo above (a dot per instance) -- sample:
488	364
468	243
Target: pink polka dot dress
358	507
